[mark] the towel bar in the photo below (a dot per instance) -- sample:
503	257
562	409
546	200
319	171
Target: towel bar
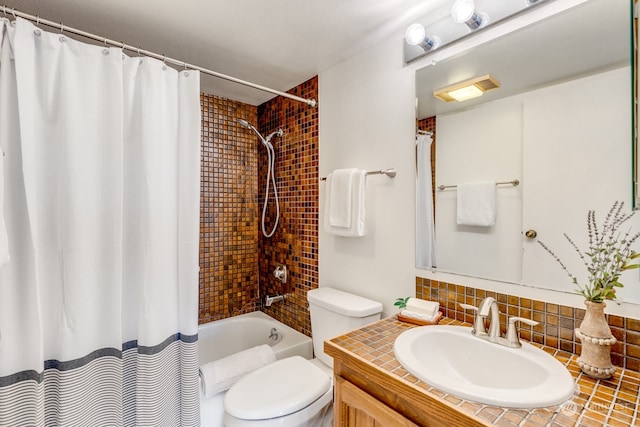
514	182
391	173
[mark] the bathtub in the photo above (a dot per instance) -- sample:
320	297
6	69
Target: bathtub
228	336
231	335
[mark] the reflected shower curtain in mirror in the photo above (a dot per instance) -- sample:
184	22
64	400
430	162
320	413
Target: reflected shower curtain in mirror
99	288
425	233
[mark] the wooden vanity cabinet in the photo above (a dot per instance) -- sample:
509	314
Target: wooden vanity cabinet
355	408
369	396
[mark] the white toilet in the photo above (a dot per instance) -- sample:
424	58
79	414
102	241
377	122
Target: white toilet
294	391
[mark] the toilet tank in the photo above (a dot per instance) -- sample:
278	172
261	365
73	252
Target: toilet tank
334	313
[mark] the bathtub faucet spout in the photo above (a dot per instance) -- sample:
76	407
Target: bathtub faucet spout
270	300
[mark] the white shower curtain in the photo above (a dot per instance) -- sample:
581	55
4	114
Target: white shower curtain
425	233
99	286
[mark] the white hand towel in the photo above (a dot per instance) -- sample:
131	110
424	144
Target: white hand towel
340	190
477	203
429	308
358	192
418	316
221	374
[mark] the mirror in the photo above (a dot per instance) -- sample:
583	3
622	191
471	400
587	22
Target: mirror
561	116
586	39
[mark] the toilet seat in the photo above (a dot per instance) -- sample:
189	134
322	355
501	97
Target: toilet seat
278	389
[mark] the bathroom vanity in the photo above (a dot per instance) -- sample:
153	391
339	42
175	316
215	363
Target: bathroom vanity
373	389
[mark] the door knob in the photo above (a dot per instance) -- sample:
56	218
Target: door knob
532	234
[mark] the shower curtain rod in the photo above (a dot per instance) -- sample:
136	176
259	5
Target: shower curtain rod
311	102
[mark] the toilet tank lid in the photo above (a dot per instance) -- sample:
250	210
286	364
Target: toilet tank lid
343	302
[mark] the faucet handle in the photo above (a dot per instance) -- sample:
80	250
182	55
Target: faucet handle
478	323
468	306
512	334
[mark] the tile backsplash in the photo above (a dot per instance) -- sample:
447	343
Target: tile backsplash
557	322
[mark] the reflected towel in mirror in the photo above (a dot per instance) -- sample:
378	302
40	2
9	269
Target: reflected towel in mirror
477	203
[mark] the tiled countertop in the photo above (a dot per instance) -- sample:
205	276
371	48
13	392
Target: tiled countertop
612	402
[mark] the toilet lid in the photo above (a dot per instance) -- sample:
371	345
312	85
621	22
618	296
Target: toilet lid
278	389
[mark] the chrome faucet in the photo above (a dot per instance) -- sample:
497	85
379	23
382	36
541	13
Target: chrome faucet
490	306
270	300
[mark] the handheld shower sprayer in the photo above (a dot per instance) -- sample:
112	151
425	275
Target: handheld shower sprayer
244	123
271	159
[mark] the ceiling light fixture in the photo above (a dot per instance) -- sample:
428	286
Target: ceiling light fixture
467	89
416	35
464	12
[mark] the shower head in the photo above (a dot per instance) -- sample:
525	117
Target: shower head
264	141
244	123
248	125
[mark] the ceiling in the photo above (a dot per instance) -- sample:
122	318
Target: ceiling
274	43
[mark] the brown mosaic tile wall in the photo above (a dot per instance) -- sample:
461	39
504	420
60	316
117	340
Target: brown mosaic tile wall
295	242
557	322
228	211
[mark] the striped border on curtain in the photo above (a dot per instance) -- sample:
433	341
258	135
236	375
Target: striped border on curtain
100	389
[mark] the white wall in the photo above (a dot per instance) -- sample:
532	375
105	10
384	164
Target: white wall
367	121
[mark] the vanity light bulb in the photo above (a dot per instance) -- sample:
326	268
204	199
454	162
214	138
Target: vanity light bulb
415	34
463	10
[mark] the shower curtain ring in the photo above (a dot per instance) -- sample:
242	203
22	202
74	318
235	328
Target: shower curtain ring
37	20
4	10
164	58
13	12
61	28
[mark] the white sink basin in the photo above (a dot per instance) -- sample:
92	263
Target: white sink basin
451	359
